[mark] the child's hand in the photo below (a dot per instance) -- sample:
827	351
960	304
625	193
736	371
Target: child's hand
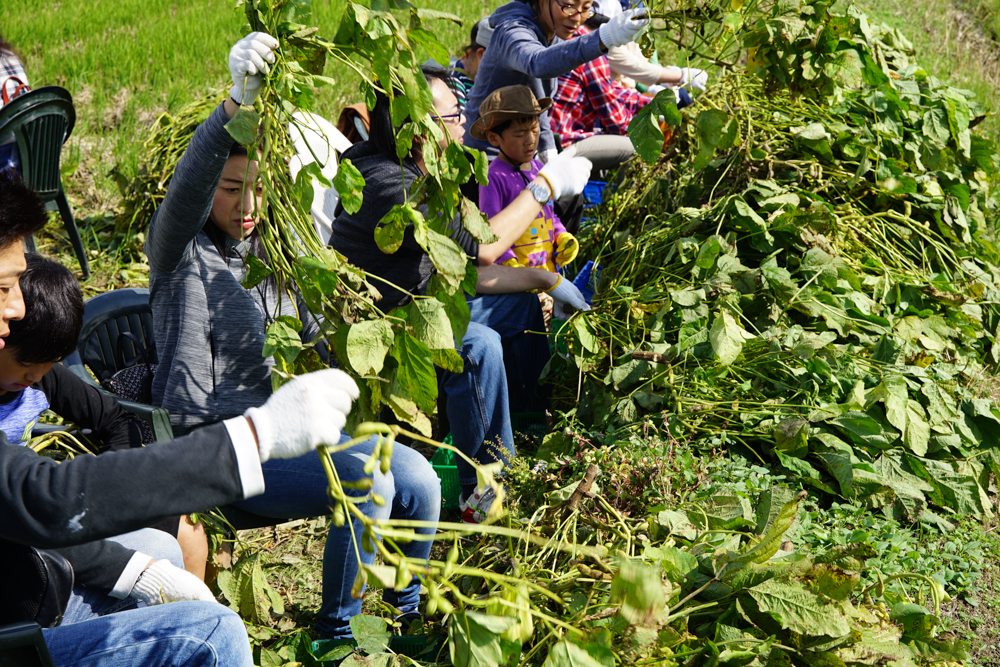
567	248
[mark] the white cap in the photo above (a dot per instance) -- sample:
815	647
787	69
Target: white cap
484	33
609	8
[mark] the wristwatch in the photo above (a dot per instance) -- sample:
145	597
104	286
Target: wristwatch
540	192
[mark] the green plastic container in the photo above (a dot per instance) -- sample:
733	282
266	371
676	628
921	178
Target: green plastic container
529	423
443	463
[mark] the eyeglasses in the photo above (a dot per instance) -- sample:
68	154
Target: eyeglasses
570	11
454	118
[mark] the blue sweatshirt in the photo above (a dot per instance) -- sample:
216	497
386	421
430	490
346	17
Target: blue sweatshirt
520	55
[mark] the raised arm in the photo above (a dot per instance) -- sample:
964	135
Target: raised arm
185	209
522	52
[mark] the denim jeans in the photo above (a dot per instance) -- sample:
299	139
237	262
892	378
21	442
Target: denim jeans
101	631
87	603
477	403
193	634
296	489
517	317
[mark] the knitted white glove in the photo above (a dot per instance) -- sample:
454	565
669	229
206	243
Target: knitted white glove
163	582
694	77
303	414
623	28
565	294
567	174
545	156
247	61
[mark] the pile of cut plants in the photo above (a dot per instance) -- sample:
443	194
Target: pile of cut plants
808	274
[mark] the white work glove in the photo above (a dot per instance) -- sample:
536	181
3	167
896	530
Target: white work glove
566	294
545	156
163	582
567	174
654	89
623	28
247	61
303	414
694	78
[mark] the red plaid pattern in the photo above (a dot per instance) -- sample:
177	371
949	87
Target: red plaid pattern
588	102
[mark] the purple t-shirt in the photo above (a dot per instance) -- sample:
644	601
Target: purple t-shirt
536	247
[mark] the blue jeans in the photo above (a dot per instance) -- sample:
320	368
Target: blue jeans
87	603
296	489
477	403
193	634
101	631
517	317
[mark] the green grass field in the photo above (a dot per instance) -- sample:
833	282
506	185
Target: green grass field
125	61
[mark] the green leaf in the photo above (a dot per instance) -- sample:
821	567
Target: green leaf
430	323
448	359
367	344
257	271
371	633
645	134
935	126
476	223
474	638
350	185
482	166
242	127
568	654
676	563
282	339
791	436
415	370
770	542
448	258
798	609
638	588
247	589
455	305
391	228
727	338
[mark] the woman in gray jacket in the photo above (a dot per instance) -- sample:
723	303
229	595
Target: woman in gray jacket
210	331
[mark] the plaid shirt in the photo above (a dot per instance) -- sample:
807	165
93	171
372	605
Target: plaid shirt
10	66
588	102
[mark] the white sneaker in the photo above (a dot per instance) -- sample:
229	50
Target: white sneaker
476	507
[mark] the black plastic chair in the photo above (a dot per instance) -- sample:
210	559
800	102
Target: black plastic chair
102	348
41	121
22	645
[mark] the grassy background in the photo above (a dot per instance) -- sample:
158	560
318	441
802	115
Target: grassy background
126	61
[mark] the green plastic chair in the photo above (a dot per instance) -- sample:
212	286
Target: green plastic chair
22	645
41	121
105	317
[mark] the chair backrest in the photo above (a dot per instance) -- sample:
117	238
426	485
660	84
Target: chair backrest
41	122
105	318
22	645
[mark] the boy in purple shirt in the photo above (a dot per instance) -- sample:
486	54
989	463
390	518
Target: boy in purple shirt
509	121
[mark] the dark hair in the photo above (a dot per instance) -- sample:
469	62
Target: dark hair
382	131
22	212
5	47
53	313
473	45
218	237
